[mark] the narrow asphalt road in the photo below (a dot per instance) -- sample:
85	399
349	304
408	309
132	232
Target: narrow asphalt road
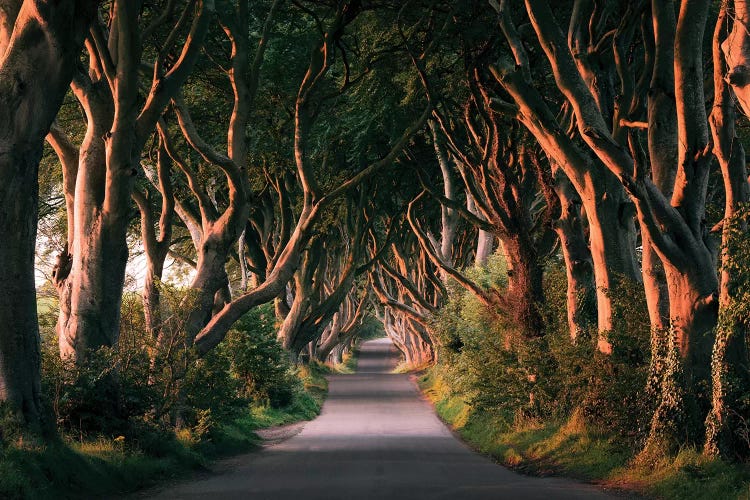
375	439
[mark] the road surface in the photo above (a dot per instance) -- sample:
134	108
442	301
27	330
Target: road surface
375	439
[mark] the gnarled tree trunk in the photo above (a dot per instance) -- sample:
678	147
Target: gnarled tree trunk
39	45
117	131
729	364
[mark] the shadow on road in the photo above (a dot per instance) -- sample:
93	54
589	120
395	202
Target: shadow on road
375	439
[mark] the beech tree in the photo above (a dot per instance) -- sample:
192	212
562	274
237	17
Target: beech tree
672	220
730	353
501	181
219	228
608	211
736	50
311	97
341	331
39	44
446	169
156	245
410	289
325	277
91	270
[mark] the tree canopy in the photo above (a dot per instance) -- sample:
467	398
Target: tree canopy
541	184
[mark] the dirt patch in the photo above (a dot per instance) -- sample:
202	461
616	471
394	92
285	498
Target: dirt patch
279	434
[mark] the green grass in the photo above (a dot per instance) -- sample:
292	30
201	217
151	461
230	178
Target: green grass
572	449
68	468
306	404
65	469
349	364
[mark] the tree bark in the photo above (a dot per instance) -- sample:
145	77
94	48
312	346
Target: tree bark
579	267
611	231
117	131
39	44
662	151
736	50
156	247
525	290
730	360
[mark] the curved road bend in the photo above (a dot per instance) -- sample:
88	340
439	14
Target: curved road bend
375	439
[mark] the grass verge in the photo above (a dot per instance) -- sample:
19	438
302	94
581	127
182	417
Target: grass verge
572	449
89	468
349	364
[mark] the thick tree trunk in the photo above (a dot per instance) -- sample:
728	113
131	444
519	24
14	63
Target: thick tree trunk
609	212
730	361
736	49
688	263
657	301
19	339
39	44
662	151
210	278
91	294
612	243
290	334
687	366
525	290
97	279
579	267
117	131
337	354
275	284
330	340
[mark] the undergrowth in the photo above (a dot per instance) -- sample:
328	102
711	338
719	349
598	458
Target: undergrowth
575	449
169	416
554	406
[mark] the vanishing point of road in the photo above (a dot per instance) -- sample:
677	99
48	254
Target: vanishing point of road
375	439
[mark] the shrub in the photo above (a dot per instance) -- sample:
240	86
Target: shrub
145	386
550	378
257	360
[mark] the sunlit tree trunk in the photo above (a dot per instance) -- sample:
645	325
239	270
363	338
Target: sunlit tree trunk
117	131
579	267
736	48
729	366
609	212
662	151
314	201
88	317
688	263
39	46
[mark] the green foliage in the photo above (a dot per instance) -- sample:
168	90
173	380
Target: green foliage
728	431
129	416
573	448
553	405
66	469
100	394
161	382
520	379
737	265
258	361
370	329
